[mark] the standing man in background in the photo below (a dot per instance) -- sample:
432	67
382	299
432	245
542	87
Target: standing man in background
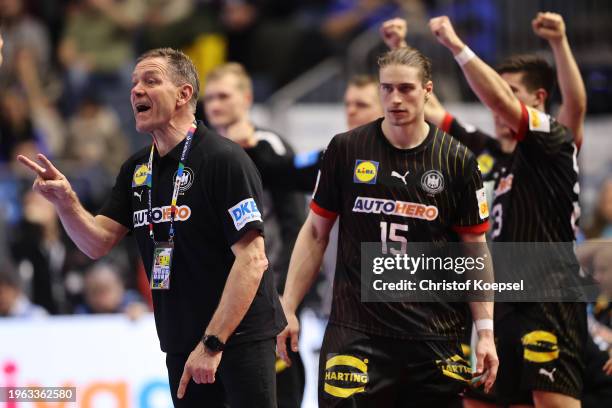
228	98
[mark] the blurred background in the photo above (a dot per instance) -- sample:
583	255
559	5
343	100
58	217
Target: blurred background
64	91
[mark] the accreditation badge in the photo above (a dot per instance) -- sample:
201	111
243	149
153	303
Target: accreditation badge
162	265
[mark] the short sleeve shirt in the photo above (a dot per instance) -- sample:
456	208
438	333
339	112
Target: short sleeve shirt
219	202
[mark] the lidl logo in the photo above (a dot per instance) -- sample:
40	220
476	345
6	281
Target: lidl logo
244	212
345	375
366	171
140	175
485	163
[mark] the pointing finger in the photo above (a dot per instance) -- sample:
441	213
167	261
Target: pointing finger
30	164
183	384
47	163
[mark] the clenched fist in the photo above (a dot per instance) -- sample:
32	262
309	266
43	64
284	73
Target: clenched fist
393	33
549	26
444	32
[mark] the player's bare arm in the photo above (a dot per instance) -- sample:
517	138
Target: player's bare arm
95	236
304	267
551	27
487	361
490	88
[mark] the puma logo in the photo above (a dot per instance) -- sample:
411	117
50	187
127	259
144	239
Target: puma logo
548	374
139	195
399	176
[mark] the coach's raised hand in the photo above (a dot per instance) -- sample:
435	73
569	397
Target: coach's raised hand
95	236
444	32
50	182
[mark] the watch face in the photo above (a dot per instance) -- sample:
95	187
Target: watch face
213	343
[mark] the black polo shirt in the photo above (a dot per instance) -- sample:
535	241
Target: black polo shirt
219	201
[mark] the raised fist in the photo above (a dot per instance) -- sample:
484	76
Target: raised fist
393	33
549	26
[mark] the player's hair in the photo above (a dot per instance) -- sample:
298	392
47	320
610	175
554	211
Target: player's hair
410	57
181	68
362	80
537	72
232	68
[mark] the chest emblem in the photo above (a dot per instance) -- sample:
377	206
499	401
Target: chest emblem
366	172
432	181
140	175
186	179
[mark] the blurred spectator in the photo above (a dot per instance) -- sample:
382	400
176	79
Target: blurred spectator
96	145
16	127
347	18
601	223
105	293
24	38
96	52
46	260
13	302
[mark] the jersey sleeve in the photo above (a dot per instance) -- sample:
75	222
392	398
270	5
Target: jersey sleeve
236	193
326	197
541	131
473	212
469	135
118	205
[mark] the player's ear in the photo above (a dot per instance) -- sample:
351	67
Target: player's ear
541	96
428	90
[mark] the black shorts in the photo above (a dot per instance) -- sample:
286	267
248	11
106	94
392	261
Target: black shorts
357	369
541	347
245	378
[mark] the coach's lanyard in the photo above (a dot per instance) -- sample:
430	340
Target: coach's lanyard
177	184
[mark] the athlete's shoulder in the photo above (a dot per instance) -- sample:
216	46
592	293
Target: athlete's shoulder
360	134
274	141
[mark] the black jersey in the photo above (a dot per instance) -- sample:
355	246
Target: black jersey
491	159
284	209
432	192
219	201
536	197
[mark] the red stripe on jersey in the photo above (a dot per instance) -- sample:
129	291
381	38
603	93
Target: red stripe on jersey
524	125
446	122
472	229
330	215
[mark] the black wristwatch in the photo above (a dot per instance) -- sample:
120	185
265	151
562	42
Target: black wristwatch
212	343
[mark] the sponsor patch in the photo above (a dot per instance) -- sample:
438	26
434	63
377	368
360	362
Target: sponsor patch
456	367
365	172
485	163
186	179
141	172
432	181
505	185
244	212
345	375
161	214
405	209
540	346
538	121
483	207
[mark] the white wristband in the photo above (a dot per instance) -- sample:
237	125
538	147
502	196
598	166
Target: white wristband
464	56
484	324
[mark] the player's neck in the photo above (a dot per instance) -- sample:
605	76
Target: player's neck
172	134
407	136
